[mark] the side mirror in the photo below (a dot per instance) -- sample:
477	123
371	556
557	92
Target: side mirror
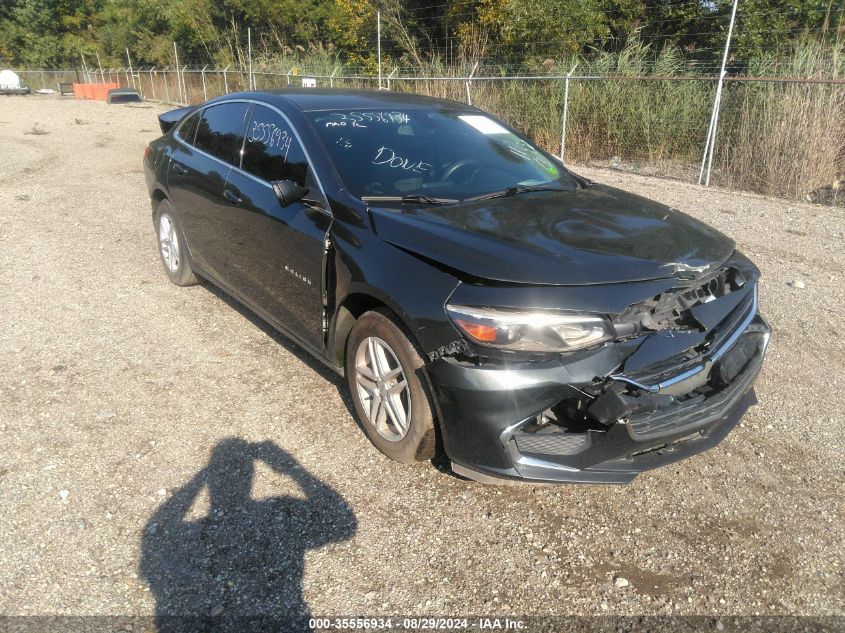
288	192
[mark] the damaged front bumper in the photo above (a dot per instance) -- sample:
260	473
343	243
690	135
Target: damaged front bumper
503	422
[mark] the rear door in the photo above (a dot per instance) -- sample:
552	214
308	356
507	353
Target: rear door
211	142
277	252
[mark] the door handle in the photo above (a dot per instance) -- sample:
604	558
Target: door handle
178	169
232	196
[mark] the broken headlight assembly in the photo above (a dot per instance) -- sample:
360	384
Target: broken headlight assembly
530	331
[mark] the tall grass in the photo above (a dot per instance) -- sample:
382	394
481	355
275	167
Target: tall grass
786	139
774	138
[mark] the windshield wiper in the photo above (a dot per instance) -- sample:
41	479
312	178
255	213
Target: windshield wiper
412	198
512	191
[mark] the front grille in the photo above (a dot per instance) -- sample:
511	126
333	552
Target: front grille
733	321
718	337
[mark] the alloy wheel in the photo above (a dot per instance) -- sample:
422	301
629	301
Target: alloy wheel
383	388
168	242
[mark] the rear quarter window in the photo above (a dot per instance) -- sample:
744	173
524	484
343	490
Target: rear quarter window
188	128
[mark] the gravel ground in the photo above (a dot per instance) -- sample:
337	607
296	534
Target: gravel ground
134	413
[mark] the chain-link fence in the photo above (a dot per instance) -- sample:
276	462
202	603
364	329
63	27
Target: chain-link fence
48	79
777	136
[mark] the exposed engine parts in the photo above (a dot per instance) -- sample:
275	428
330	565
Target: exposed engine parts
671	310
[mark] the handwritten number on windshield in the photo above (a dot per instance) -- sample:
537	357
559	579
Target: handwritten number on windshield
360	119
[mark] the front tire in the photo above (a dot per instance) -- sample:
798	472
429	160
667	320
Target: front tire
384	374
172	248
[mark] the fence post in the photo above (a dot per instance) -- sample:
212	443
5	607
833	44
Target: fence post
176	56
166	87
390	76
288	75
204	93
331	77
249	48
378	38
226	79
100	67
152	85
184	84
131	74
468	84
565	110
710	145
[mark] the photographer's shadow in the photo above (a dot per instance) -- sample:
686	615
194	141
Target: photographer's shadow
242	564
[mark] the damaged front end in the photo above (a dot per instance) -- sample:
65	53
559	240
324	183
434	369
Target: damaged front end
673	382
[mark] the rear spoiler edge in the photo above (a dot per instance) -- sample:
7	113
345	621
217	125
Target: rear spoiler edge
166	120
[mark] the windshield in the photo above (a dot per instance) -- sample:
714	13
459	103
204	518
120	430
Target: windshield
435	153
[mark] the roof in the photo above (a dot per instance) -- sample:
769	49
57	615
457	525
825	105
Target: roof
314	99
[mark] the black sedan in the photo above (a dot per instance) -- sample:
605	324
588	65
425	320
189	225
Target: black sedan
481	299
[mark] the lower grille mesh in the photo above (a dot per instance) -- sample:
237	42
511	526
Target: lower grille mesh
552	443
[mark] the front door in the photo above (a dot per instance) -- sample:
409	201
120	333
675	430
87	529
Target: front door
276	253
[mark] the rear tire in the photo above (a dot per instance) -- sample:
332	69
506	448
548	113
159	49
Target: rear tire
171	246
384	374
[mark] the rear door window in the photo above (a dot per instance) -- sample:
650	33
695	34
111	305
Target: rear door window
221	131
272	152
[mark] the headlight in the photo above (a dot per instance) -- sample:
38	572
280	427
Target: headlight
529	331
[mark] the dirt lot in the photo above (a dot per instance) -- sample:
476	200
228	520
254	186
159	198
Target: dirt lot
133	413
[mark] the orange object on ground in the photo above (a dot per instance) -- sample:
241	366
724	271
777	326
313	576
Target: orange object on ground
98	91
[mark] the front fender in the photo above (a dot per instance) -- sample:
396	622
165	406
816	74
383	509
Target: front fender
412	289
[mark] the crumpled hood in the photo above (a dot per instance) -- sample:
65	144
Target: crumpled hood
590	236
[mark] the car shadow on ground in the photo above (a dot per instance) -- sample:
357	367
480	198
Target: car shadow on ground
240	566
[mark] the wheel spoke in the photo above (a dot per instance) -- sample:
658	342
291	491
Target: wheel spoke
396	389
371	348
366	372
391	374
381	360
366	382
375	408
396	414
391	413
381	416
